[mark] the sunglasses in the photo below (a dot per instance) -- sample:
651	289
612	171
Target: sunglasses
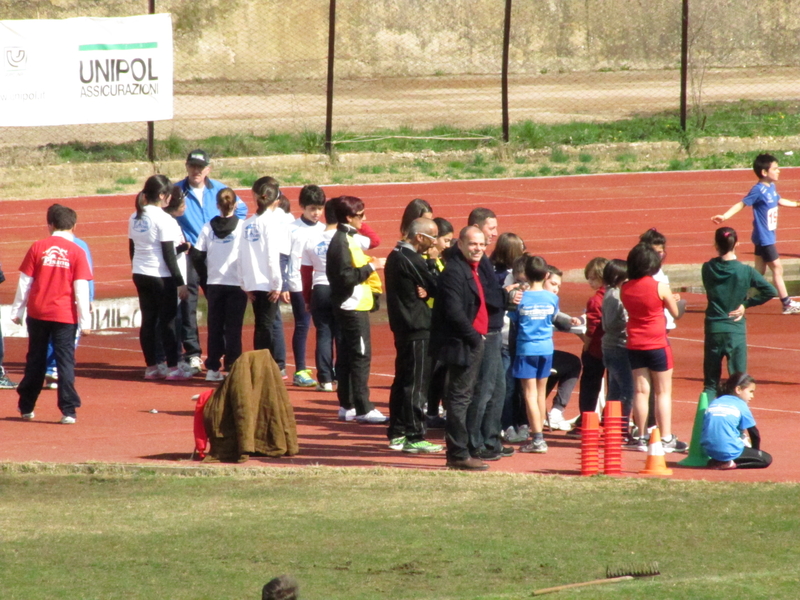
430	237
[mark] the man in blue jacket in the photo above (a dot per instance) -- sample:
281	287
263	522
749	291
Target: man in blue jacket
201	206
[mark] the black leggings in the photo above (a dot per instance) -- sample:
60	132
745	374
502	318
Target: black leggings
750	458
158	303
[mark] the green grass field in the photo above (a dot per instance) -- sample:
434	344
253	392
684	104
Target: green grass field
394	534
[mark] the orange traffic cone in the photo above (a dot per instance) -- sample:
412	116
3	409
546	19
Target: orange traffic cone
655	465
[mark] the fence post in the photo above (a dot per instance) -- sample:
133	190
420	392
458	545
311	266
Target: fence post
151	130
684	59
504	92
329	93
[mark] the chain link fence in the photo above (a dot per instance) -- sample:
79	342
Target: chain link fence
403	67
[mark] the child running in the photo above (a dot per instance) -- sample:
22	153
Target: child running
648	348
764	199
727	282
724	425
534	359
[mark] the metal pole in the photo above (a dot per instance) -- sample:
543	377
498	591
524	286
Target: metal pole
329	93
151	129
684	59
504	92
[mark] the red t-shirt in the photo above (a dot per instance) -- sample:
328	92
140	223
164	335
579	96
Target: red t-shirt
594	323
647	325
54	264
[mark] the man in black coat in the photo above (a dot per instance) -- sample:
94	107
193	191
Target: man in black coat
461	322
409	284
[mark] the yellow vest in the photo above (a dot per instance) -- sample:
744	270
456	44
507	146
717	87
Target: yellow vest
362	293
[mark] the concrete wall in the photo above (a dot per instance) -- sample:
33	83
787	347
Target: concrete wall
278	40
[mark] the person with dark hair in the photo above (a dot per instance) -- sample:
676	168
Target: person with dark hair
615	338
216	259
648	348
263	256
51	370
152	240
312	201
727	421
54	285
317	296
566	368
200	192
728	282
348	269
284	587
408	285
485	220
414	210
460	324
485	414
534	353
509	247
764	199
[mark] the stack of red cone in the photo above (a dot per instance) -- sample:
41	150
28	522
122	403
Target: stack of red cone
590	444
612	441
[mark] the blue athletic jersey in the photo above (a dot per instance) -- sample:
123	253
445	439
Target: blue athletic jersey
534	319
764	200
725	420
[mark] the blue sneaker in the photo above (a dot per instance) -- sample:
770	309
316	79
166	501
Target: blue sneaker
304	379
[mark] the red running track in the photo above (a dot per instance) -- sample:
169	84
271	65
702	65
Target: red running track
568	220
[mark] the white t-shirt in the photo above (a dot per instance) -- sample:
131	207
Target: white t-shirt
315	252
264	239
147	233
662	277
222	254
300	231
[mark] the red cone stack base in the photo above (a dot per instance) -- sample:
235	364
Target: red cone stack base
612	439
590	444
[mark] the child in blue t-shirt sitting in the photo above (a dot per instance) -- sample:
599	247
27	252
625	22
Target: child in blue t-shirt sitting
724	424
534	359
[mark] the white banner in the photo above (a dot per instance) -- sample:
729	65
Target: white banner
86	70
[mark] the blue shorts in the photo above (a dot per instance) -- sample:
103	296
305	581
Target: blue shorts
658	360
532	367
767	253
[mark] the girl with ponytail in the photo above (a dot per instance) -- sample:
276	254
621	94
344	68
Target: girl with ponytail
727	282
157	277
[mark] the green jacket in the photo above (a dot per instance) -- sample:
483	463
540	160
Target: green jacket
727	283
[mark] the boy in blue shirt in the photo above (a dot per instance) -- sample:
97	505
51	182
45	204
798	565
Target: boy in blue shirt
764	199
534	359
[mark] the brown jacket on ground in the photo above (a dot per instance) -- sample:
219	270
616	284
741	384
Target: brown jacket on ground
250	412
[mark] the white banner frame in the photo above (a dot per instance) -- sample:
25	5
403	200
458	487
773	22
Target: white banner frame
86	70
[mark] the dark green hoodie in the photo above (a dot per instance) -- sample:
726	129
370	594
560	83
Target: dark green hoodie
727	283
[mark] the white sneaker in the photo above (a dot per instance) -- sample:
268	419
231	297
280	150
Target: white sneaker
555	418
372	417
196	364
180	373
27	416
163	370
347	414
324	387
212	375
154	372
67	420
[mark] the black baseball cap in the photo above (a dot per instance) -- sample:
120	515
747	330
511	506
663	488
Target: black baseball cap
199	158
